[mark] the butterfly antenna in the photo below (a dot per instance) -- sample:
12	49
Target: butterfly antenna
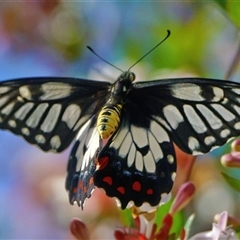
103	59
168	34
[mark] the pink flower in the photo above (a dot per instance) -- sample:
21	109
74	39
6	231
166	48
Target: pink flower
129	234
135	234
219	230
232	159
79	229
184	195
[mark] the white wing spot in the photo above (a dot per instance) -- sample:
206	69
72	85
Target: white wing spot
209	140
170	159
55	90
236	90
25	92
40	139
139	136
81	121
89	136
225	133
195	121
227	115
119	138
20	99
219	94
55	142
139	162
163	122
214	122
71	115
237	125
159	133
25	131
237	108
4	89
155	147
23	110
83	130
81	137
149	162
225	100
35	117
51	118
173	116
193	143
173	176
187	91
131	155
7	110
3	100
92	144
12	123
124	149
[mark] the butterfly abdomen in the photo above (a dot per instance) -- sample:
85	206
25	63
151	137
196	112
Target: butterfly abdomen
108	120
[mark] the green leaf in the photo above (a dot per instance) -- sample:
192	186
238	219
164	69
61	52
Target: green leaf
237	230
233	182
178	218
161	212
126	218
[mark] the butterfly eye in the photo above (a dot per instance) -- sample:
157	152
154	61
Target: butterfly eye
131	76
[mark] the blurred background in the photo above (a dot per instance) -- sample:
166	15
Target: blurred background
49	38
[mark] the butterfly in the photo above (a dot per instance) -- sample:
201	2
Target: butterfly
123	132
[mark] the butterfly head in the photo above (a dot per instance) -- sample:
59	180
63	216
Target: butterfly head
126	77
123	84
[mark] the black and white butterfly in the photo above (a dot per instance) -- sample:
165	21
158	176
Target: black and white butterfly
137	162
124	132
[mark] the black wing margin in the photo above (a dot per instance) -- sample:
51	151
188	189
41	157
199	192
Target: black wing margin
199	114
48	112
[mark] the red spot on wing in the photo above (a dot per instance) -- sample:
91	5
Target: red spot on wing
90	181
80	185
107	180
121	190
149	191
137	186
103	162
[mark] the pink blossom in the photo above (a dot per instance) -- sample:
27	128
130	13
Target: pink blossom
184	195
219	230
79	229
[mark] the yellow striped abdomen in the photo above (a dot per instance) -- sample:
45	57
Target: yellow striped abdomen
108	120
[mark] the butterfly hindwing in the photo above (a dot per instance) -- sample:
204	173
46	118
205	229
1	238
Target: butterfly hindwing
138	163
49	112
82	164
199	114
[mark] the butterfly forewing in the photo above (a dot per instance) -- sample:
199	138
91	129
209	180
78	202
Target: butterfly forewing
199	114
49	112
